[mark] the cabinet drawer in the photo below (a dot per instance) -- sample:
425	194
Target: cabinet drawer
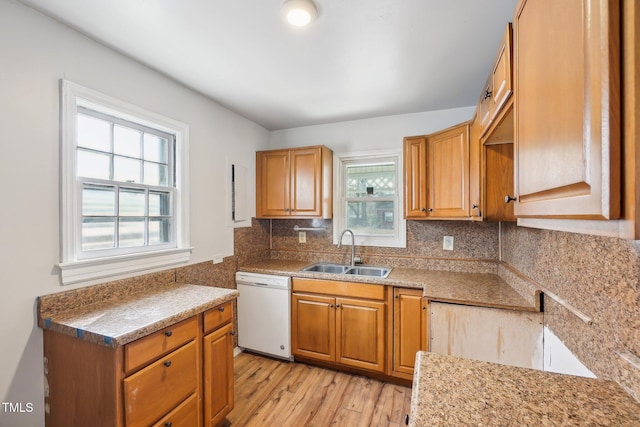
158	388
149	348
185	415
218	316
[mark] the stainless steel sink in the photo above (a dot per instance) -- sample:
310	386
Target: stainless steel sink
381	272
361	270
323	267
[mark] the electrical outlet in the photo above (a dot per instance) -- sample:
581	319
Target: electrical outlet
447	243
302	237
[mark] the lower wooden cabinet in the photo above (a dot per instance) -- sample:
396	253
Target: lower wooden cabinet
409	330
329	326
218	375
157	380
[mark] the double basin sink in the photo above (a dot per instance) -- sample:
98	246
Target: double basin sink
360	270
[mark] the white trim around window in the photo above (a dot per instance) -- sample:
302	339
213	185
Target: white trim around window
341	161
75	268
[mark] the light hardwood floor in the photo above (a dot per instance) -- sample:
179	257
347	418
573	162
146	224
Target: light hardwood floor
270	392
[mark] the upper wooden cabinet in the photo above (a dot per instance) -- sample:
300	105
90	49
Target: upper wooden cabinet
567	109
294	183
436	174
498	88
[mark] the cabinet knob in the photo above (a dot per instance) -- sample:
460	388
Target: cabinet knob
508	199
168	333
221	309
232	333
430	209
487	94
168	424
423	210
396	296
330	305
337	305
167	363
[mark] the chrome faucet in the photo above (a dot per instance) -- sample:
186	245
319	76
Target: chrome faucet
353	246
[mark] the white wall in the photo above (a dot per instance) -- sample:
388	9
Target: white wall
370	134
35	52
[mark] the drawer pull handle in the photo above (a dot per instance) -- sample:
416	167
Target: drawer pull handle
168	333
167	363
168	424
221	309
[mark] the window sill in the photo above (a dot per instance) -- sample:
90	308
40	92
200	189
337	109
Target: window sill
103	268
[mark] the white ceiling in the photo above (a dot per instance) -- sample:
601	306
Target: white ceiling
360	59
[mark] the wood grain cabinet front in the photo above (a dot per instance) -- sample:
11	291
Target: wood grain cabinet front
178	376
218	364
436	176
567	109
294	183
409	330
330	326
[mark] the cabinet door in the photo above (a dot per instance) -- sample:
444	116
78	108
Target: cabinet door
360	333
313	330
501	87
409	329
415	177
499	182
218	375
306	182
448	173
272	183
567	106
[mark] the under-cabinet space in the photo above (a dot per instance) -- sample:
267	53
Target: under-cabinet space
509	337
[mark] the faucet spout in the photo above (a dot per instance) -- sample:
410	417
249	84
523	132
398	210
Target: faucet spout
353	245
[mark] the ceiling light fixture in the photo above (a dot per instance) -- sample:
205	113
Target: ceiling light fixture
299	12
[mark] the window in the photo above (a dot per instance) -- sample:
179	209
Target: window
124	188
369	201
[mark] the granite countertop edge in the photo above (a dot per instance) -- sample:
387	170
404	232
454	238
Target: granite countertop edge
67	322
433	289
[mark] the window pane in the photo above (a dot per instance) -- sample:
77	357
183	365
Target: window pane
159	230
131	202
155	148
159	204
98	233
98	200
126	170
156	174
126	141
131	232
370	217
93	165
371	180
94	133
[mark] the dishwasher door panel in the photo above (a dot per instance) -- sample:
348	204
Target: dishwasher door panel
264	320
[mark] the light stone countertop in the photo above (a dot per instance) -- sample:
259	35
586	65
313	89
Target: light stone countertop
479	289
452	391
126	317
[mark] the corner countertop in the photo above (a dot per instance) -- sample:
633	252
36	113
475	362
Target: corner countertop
126	317
479	289
449	390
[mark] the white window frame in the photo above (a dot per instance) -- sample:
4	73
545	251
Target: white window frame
73	267
341	161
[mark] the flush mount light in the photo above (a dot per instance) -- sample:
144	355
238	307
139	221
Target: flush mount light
299	12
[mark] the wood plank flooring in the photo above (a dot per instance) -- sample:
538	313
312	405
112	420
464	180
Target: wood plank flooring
270	392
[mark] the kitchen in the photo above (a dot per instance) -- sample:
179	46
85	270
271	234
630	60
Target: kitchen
598	275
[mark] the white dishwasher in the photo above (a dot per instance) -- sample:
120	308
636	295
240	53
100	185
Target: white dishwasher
264	314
